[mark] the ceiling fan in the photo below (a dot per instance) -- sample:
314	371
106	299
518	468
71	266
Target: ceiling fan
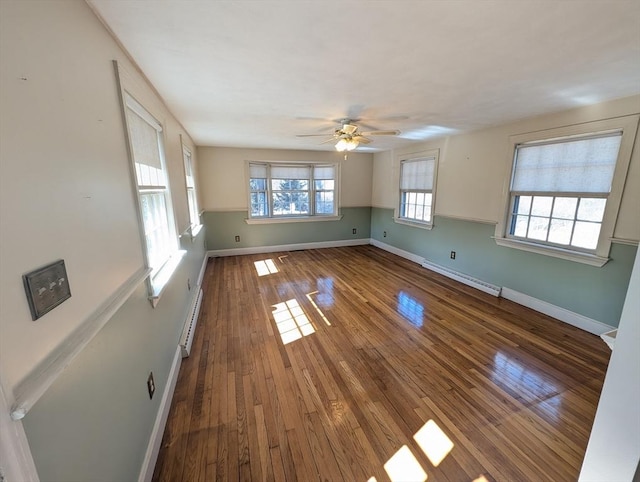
348	136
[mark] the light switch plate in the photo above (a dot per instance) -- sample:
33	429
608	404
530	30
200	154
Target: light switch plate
46	288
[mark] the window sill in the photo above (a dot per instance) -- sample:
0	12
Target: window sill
576	256
195	230
415	224
305	219
162	278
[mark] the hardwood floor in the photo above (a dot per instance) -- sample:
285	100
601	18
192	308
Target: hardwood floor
324	365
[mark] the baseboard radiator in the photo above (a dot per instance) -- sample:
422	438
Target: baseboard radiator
463	278
190	326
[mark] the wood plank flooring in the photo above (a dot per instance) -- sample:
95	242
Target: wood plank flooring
331	364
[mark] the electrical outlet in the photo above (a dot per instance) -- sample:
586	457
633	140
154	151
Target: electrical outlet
237	239
354	231
384	234
151	385
453	255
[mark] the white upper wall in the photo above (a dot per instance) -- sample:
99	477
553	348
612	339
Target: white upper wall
473	167
65	185
224	182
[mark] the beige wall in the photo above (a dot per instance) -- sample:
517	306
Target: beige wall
473	167
65	189
223	179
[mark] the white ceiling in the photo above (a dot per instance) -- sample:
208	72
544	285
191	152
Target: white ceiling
256	73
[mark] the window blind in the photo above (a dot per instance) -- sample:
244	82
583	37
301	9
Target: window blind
146	151
324	172
417	174
579	165
290	172
257	171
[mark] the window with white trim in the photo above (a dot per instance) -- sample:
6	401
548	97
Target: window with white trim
292	190
417	179
565	187
559	189
192	197
145	138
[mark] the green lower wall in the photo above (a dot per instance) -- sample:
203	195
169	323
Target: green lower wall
95	422
223	227
597	293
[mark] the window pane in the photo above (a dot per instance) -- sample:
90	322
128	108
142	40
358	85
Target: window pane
290	203
301	203
520	226
522	204
324	185
538	228
324	203
289	184
585	235
541	205
256	184
156	228
193	209
560	231
565	207
591	209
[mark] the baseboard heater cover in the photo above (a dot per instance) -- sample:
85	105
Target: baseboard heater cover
463	278
190	326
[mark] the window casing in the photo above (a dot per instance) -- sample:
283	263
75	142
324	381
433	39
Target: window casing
292	190
417	182
145	138
565	189
192	196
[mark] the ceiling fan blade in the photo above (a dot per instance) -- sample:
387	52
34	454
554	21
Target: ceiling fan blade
331	139
362	139
312	135
381	133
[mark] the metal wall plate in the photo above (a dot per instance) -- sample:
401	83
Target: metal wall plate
46	288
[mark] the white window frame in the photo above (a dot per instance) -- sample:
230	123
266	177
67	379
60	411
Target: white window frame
402	160
312	216
628	125
162	271
192	191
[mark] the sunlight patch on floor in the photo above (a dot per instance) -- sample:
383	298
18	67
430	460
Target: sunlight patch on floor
291	320
434	442
265	267
404	466
324	318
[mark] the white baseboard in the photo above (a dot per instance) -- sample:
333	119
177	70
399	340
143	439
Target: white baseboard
397	251
151	456
203	268
287	247
562	314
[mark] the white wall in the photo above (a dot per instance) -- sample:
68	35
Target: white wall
224	184
473	167
613	452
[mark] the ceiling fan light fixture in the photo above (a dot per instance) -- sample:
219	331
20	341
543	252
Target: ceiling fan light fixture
346	145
